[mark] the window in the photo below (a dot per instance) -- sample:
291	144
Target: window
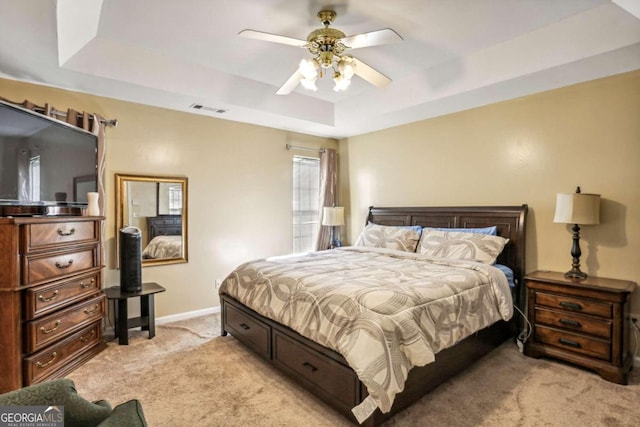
34	178
175	199
306	198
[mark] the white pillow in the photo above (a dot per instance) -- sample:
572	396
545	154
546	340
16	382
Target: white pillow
461	245
390	237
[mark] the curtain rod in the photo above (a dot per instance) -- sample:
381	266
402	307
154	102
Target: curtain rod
294	147
110	123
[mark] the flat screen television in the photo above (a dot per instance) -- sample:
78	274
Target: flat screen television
46	166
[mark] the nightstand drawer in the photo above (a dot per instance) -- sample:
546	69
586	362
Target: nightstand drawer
565	320
577	305
592	347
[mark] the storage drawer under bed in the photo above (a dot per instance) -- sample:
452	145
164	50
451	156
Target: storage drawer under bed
316	371
246	328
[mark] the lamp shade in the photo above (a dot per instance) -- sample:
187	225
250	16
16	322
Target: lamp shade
333	215
577	208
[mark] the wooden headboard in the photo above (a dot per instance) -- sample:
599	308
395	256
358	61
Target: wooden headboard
164	225
510	222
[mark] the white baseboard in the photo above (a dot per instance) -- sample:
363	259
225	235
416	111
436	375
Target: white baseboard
187	315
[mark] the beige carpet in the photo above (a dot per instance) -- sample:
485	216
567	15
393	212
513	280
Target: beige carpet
190	376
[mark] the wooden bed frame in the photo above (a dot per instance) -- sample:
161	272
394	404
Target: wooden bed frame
327	375
164	225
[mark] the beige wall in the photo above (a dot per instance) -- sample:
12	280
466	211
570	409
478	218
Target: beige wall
520	151
240	186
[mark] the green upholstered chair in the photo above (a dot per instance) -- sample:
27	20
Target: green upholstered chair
78	412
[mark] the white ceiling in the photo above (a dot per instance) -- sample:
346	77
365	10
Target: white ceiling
456	54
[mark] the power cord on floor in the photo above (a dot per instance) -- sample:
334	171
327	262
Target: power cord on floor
524	335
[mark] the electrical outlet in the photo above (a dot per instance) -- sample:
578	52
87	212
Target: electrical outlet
218	283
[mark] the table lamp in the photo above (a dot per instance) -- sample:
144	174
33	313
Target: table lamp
333	217
577	209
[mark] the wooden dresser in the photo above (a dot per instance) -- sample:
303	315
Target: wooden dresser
585	322
52	306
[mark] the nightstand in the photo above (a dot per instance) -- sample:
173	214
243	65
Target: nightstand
585	322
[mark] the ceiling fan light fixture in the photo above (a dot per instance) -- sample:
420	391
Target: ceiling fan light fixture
308	68
326	46
342	82
309	84
347	67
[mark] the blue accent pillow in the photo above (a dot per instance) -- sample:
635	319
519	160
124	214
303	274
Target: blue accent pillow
507	272
491	231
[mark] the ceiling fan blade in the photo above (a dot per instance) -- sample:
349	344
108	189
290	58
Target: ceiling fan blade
259	35
373	38
290	84
371	75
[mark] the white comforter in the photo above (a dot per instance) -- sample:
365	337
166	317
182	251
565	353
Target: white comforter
163	247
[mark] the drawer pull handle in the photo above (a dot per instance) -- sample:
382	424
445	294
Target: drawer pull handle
570	343
44	365
570	305
48	331
61	232
245	326
570	322
87	339
95	308
62	266
51	298
309	366
87	285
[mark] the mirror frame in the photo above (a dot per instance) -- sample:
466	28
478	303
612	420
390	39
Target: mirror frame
121	180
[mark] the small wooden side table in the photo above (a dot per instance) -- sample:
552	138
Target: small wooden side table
147	318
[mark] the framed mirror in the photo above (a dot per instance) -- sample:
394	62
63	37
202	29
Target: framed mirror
157	205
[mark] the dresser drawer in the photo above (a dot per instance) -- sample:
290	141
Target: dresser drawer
592	347
335	379
566	320
41	332
46	362
41	268
59	234
578	305
44	299
249	330
168	221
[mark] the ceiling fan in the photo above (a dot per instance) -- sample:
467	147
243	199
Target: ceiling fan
327	45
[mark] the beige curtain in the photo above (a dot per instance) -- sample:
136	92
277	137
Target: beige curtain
328	193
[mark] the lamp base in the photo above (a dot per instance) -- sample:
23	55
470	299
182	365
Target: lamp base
575	273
